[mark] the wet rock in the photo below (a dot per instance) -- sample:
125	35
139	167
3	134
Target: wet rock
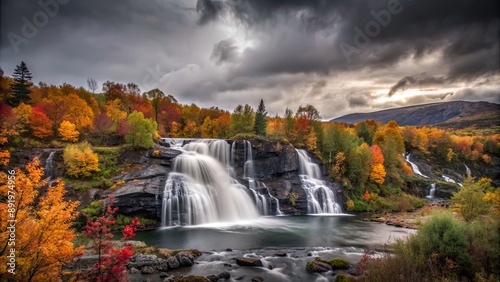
163	275
185	259
212	278
227	265
242	261
170	278
257	279
173	263
280	254
134	270
148	270
229	250
139	261
225	276
318	266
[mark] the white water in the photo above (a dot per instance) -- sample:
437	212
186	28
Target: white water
467	170
320	198
202	191
260	192
432	191
414	167
49	168
450	180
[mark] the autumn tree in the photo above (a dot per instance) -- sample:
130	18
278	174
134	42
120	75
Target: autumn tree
156	95
40	124
23	114
260	123
68	132
141	131
113	90
222	125
55	110
80	160
377	173
21	86
114	110
79	113
111	261
168	112
207	128
8	124
43	229
289	123
469	200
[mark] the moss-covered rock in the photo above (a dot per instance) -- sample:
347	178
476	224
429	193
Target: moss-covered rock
336	263
318	266
342	278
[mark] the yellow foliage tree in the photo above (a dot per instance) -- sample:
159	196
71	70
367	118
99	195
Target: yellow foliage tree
23	114
312	141
113	110
80	160
79	112
68	132
43	234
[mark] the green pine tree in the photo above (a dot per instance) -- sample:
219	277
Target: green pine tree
260	124
21	86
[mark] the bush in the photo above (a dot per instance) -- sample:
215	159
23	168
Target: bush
442	239
80	160
93	209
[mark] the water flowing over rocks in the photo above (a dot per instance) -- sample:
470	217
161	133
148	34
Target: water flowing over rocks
267	171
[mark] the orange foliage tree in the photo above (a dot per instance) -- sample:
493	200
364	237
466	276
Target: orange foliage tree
43	234
377	174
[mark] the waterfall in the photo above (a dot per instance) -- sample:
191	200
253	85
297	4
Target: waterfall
414	167
450	180
467	170
432	191
320	198
260	192
200	190
49	168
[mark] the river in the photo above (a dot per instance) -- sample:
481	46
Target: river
284	244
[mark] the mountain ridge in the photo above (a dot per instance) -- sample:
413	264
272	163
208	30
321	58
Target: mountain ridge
456	114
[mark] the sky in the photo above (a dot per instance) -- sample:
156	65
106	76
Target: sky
342	56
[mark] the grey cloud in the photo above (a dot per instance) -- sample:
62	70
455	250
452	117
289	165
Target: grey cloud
224	52
416	81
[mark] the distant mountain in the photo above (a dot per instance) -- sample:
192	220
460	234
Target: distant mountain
456	114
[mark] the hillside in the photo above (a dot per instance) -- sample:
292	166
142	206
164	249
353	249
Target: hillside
457	114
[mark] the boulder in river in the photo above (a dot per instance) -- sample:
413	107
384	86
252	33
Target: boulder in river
243	261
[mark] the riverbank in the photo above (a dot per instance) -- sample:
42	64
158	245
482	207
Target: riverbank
410	220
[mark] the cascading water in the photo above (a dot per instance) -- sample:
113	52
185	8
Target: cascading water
432	191
260	192
414	167
49	168
201	191
320	198
467	170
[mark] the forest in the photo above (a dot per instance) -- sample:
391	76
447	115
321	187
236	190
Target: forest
367	158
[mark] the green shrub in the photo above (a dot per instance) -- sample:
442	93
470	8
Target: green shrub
442	239
93	209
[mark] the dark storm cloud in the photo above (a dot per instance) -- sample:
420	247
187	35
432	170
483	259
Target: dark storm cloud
460	29
416	82
224	52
